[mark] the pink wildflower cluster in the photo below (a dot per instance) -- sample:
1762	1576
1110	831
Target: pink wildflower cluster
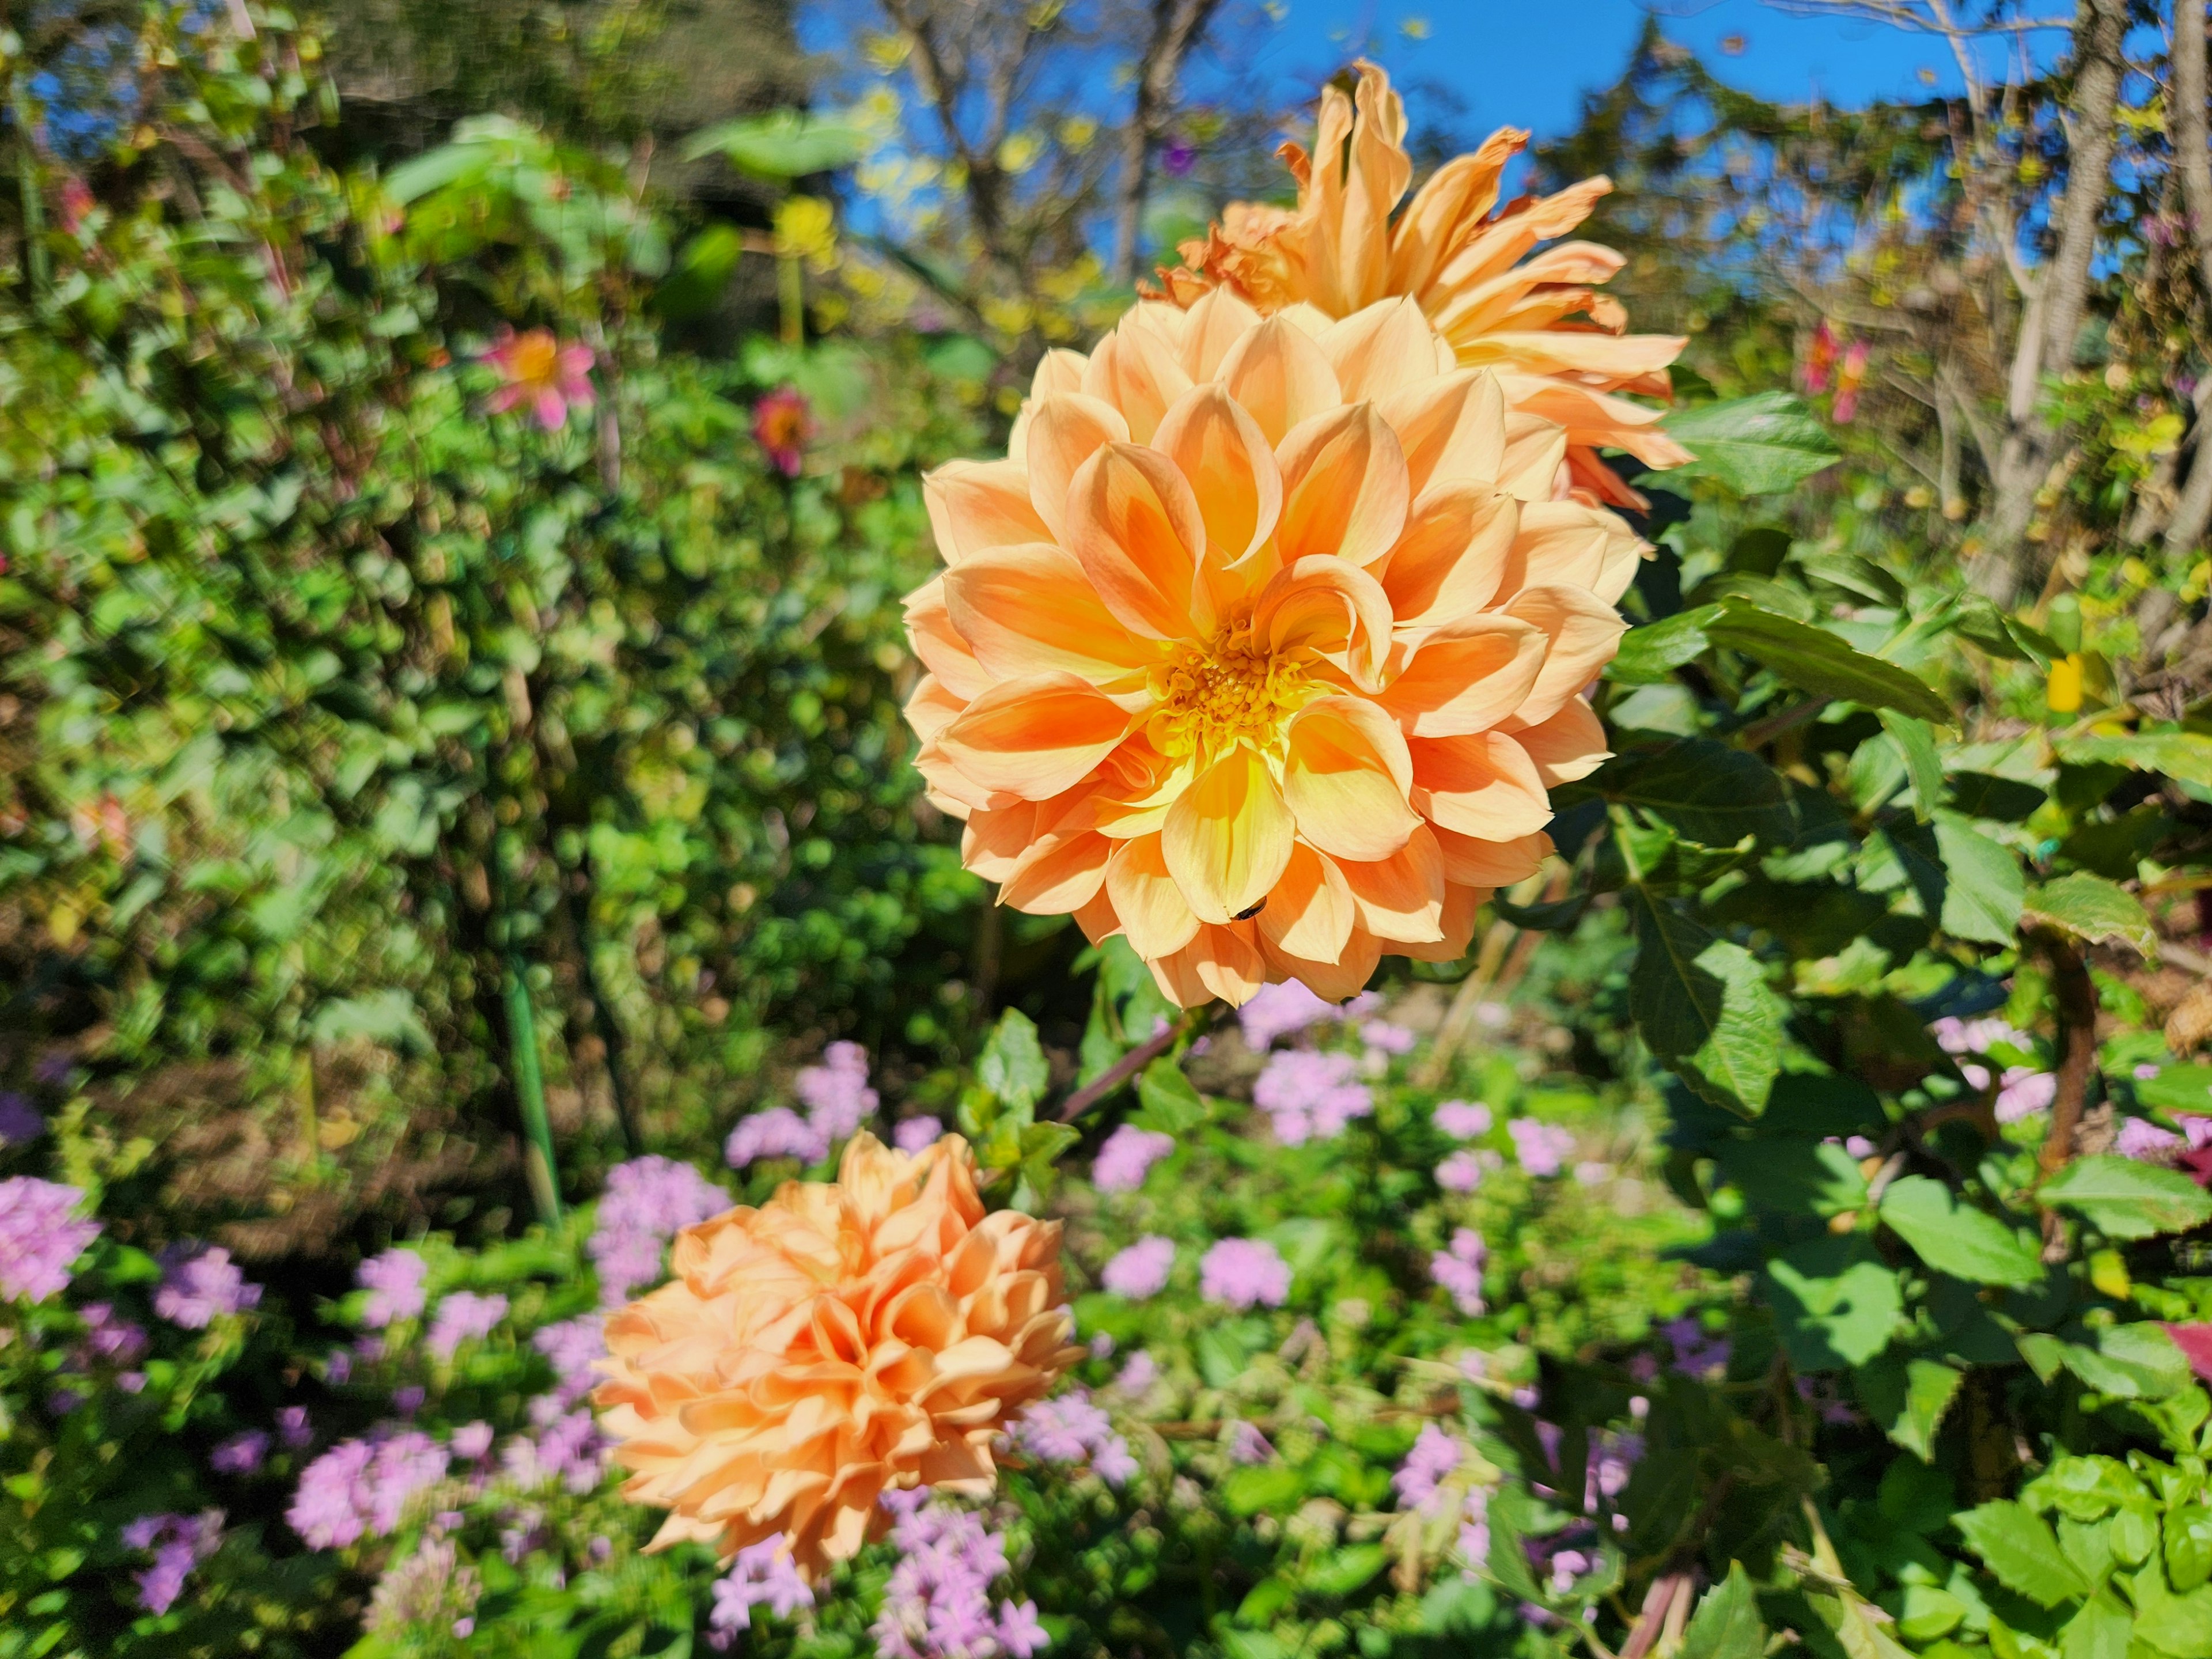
463	1316
1542	1148
178	1543
938	1604
1244	1273
1463	1171
1072	1430
1419	1479
915	1135
568	1451
648	1201
240	1455
1462	1119
572	1348
1459	1269
200	1283
837	1098
1284	1010
1696	1354
39	1238
1310	1094
762	1574
1141	1269
362	1488
394	1283
2022	1090
1126	1155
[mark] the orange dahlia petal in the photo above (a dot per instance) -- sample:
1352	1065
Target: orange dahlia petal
1134	523
1484	786
1228	836
1346	775
1034	736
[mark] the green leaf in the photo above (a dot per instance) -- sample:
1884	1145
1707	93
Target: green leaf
2017	1546
1651	653
784	145
1756	445
1346	1569
2179	1626
2131	1362
1922	764
1793	1177
1983	887
1012	1067
2090	907
1705	791
1907	1399
1823	664
386	1018
1835	1303
1704	1006
2123	1199
1726	1624
1957	1238
2185	757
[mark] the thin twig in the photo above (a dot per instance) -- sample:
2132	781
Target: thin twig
1658	1604
2076	998
1194	1023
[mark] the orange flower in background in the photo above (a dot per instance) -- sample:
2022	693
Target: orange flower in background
1558	344
844	1340
1263	645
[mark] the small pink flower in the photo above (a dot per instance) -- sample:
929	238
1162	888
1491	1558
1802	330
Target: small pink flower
782	423
541	373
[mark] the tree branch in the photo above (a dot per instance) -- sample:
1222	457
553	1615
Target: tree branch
1177	27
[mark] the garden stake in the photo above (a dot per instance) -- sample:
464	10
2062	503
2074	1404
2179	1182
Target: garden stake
530	1096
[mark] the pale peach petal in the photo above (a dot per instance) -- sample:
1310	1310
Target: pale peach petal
1462	907
974	505
1346	774
1032	610
1484	786
1309	913
1535	450
1138	373
1228	836
1134	523
1213	327
1058	371
1332	981
1353	197
1568	746
1473	863
1097	919
1034	736
1066	431
996	837
1229	962
1451	428
1559	545
1326	606
1451	206
1584	632
1383	349
1506	238
1057	874
940	645
1280	378
1483	307
931	707
1454	556
1401	898
1345	488
1572	351
1217	445
953	790
1465	677
1148	906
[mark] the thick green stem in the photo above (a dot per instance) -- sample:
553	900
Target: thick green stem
530	1095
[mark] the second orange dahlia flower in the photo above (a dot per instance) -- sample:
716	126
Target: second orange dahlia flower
1264	643
844	1340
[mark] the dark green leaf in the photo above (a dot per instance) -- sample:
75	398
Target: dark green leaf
1956	1238
2124	1199
2185	757
1704	1006
1653	651
1754	445
1705	791
1907	1398
1923	766
1835	1303
1726	1624
1823	664
2092	908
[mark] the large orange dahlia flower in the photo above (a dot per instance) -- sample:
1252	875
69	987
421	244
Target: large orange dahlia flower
1263	644
1558	344
844	1340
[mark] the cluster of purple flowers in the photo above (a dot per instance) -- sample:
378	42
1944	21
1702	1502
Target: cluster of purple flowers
394	1283
938	1604
567	1449
199	1283
1419	1479
1696	1354
648	1201
362	1488
2022	1090
1138	1373
1126	1155
1246	1445
424	1590
916	1135
1244	1273
1462	1119
837	1098
1542	1148
241	1454
41	1238
762	1573
2139	1137
1463	1171
1072	1430
1310	1094
1141	1269
20	1123
109	1340
463	1316
1459	1270
1284	1010
179	1543
573	1346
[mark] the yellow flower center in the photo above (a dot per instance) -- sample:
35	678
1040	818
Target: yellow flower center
1230	690
536	358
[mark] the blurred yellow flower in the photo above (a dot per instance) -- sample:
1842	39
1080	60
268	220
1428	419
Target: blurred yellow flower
2063	693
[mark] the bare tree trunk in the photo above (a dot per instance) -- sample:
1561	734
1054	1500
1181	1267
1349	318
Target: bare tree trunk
1177	27
2054	312
2186	527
